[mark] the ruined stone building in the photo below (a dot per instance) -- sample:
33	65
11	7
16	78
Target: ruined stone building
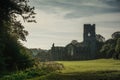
77	50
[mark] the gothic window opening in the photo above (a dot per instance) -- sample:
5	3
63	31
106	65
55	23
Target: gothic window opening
72	52
89	34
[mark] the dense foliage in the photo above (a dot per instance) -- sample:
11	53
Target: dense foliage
38	70
13	56
111	47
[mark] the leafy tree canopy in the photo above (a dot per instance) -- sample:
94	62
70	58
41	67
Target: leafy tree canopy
100	38
117	49
12	53
116	35
10	9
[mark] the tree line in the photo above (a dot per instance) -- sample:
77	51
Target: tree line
111	47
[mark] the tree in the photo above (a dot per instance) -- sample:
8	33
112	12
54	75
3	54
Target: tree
100	38
11	31
107	51
99	41
116	35
74	42
117	49
8	18
111	46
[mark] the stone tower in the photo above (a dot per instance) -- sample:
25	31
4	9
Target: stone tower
89	37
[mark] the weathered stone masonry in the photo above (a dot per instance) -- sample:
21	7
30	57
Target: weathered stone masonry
77	50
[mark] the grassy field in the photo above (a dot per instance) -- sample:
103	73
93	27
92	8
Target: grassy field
91	65
101	69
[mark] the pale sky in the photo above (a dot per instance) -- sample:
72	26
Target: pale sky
61	21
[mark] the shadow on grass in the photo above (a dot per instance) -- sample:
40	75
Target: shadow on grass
98	75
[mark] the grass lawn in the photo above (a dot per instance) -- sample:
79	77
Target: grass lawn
90	65
100	69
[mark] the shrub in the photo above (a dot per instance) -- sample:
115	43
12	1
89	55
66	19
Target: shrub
40	69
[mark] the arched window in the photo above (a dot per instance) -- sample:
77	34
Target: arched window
89	34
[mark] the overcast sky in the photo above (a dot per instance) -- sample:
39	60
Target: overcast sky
61	21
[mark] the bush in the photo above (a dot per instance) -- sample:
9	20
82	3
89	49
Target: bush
18	76
40	69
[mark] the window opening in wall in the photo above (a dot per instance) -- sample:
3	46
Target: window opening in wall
89	34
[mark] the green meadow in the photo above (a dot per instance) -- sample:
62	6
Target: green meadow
101	69
90	65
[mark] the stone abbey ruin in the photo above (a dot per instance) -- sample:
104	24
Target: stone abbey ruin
77	50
